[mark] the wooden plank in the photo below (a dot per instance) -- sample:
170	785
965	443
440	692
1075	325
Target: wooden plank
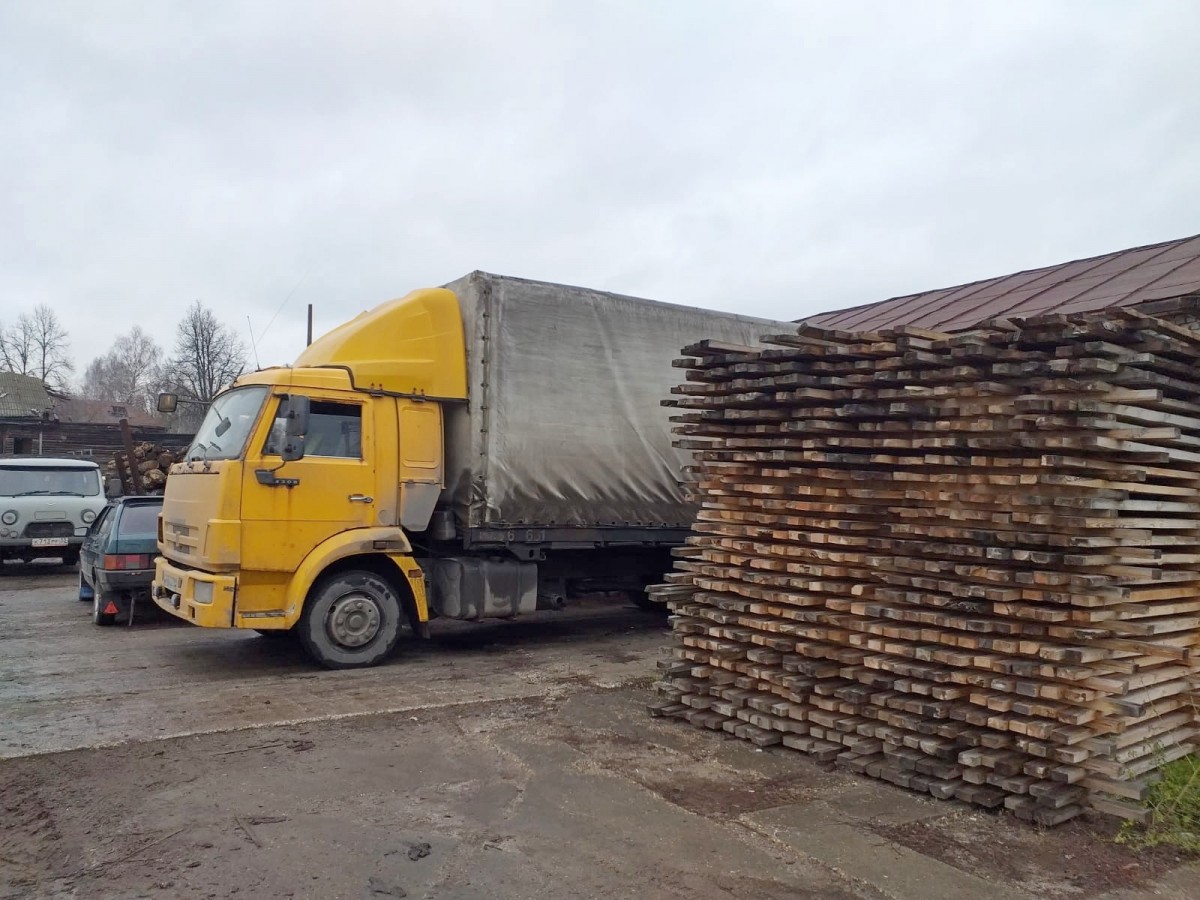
966	564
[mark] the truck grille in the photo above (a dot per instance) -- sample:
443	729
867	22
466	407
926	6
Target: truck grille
49	529
179	538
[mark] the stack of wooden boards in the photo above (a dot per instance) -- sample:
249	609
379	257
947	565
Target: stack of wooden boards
967	564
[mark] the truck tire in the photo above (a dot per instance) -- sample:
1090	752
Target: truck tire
99	616
351	620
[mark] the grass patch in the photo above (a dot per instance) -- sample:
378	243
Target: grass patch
1174	805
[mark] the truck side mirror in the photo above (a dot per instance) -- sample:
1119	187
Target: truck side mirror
167	403
295	413
293	448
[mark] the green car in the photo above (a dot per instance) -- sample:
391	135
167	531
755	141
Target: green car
116	559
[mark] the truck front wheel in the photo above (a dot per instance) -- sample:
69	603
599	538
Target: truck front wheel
351	619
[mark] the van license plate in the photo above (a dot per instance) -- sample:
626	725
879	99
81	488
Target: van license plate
50	542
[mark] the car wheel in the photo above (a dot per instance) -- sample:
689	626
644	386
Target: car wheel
351	620
100	603
85	590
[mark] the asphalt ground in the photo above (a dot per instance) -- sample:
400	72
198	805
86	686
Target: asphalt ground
509	759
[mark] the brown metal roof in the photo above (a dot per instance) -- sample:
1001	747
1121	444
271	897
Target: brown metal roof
80	410
1127	277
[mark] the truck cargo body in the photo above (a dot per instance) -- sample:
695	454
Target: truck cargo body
565	432
564	444
484	450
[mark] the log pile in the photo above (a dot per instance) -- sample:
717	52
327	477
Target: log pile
967	564
145	470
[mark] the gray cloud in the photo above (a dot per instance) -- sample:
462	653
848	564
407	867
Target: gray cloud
774	157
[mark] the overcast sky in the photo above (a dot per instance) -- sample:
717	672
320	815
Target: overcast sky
776	158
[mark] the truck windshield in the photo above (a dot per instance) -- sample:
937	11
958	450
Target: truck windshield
27	481
229	422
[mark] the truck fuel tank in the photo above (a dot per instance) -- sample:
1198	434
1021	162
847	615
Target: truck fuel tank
466	587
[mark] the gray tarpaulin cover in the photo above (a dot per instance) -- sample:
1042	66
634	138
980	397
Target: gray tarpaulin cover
564	426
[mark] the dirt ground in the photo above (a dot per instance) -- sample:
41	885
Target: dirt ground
506	760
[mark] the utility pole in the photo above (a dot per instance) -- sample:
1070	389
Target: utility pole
309	325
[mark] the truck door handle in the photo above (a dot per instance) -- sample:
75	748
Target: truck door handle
360	498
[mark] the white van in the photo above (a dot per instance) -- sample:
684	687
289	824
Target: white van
46	506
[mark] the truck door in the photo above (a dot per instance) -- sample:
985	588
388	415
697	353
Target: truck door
290	508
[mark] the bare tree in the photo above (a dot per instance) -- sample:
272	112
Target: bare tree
16	346
131	373
51	347
208	355
37	345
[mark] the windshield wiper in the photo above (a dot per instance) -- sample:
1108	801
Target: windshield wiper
48	494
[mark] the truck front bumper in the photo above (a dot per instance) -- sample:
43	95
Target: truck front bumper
201	598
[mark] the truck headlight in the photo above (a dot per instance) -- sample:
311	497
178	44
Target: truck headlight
88	517
9	517
202	592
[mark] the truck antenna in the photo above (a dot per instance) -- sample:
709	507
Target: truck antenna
253	346
299	282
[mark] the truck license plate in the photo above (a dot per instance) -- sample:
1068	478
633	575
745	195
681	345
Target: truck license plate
49	542
172	583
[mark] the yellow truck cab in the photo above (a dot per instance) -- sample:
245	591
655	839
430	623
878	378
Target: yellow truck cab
481	450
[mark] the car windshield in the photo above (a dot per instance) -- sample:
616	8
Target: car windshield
229	422
28	481
139	520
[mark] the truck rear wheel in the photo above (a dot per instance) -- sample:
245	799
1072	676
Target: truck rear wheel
351	620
